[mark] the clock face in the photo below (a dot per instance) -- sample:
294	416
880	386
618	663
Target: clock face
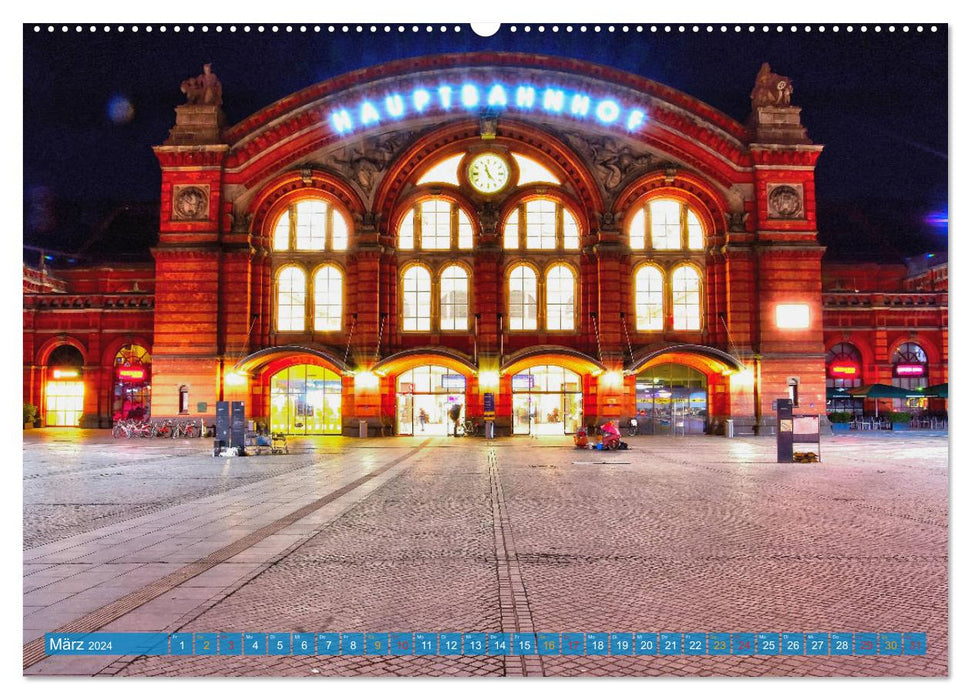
488	173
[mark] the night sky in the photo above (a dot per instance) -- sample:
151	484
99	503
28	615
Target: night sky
878	102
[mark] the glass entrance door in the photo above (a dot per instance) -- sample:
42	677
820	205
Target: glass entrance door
672	399
546	401
305	400
65	403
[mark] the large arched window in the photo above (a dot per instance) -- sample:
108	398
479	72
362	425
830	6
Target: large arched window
291	299
416	299
686	298
523	307
560	298
435	224
844	366
909	366
649	298
454	300
328	298
311	224
541	224
665	224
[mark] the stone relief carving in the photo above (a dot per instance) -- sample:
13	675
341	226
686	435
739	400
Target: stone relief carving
785	201
190	202
204	89
367	159
771	89
736	220
613	160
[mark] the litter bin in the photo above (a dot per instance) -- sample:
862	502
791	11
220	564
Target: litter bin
362	428
490	429
729	428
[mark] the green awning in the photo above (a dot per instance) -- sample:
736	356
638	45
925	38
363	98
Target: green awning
938	391
882	391
833	393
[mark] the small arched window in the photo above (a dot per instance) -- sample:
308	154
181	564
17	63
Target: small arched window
454	301
541	224
909	366
560	298
416	299
523	307
291	300
686	298
328	298
435	224
844	366
311	224
649	298
665	224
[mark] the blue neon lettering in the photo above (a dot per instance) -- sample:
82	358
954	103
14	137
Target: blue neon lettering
607	111
580	105
369	114
445	96
420	98
525	97
635	119
497	96
470	95
553	100
395	105
341	121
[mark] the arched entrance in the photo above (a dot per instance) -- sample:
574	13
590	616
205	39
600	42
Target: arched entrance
546	400
64	391
305	400
131	397
424	396
671	399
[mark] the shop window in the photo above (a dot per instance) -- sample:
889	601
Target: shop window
560	296
64	392
416	299
665	224
328	299
311	224
440	224
291	299
686	298
909	366
649	298
523	306
844	367
541	224
454	302
132	392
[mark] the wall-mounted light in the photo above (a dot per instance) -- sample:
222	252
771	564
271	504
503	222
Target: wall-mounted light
489	380
234	378
744	378
612	379
366	380
66	373
792	316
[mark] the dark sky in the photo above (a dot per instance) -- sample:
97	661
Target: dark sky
878	102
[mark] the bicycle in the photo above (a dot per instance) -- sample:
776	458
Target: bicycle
631	429
469	429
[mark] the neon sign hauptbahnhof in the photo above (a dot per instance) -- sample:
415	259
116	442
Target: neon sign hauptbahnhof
494	98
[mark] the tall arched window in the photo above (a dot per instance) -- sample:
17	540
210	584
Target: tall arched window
416	299
686	298
649	298
437	223
844	366
541	224
291	300
454	301
523	306
560	298
328	299
909	366
665	224
311	224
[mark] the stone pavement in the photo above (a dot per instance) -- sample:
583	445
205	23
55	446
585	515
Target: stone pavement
696	534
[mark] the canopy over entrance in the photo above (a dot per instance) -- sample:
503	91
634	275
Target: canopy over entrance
558	355
406	359
702	357
267	355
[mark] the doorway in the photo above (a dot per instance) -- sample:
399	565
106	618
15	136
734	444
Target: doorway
672	399
546	400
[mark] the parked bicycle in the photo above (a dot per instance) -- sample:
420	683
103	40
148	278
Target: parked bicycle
631	428
469	428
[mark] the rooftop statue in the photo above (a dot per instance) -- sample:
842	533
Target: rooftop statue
771	89
204	89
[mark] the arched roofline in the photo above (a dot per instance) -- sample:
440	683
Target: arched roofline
551	354
262	357
646	357
412	357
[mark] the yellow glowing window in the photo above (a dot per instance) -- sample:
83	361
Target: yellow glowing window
440	224
406	232
522	299
695	232
649	299
443	172
571	231
417	299
541	224
291	299
560	295
530	171
510	236
792	316
686	298
65	403
665	224
308	225
328	298
454	302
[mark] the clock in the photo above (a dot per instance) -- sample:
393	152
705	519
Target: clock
488	172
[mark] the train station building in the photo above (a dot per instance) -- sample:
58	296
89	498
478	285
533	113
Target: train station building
541	240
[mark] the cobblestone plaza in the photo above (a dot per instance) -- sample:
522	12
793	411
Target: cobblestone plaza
685	534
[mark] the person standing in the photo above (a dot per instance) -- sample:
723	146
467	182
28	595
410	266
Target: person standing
454	412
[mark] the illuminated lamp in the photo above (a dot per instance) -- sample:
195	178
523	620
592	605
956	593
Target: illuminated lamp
234	378
489	380
612	379
365	380
745	378
844	370
66	374
792	316
909	370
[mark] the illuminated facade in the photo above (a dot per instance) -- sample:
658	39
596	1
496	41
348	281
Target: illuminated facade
566	241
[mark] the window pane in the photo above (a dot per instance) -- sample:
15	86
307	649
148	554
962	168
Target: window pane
571	231
291	299
406	231
465	230
445	171
636	230
649	299
281	234
686	289
696	238
328	299
531	171
559	298
510	236
417	299
522	299
338	239
541	224
665	224
311	224
455	299
436	224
